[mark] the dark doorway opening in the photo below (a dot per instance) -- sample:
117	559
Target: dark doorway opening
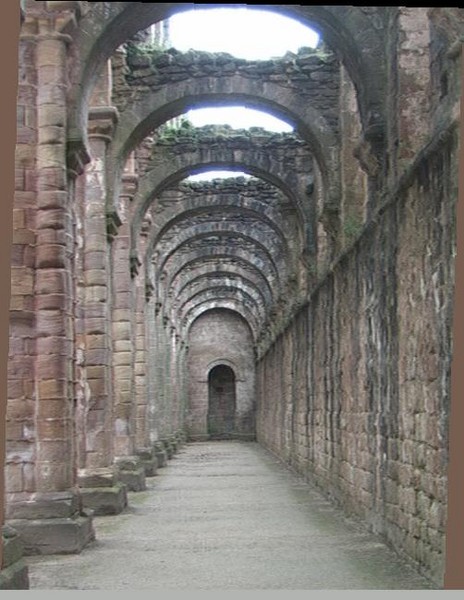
221	402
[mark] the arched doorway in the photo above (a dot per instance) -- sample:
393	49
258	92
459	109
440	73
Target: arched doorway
221	402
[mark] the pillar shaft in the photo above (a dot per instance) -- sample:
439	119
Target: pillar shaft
53	290
123	339
97	329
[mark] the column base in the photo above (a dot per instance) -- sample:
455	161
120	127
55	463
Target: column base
168	447
105	500
52	523
148	461
161	454
181	438
174	444
15	577
131	473
101	491
14	573
55	536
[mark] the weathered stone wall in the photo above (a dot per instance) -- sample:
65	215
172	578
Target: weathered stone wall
220	337
355	394
313	74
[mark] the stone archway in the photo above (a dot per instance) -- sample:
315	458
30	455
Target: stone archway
221	402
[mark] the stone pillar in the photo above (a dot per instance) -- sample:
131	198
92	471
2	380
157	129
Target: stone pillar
100	489
181	374
131	471
20	410
152	316
53	521
142	434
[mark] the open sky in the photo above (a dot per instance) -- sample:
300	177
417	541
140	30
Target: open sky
245	33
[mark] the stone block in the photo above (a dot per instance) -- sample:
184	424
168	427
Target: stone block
134	479
105	500
161	456
14	477
168	448
54	536
127	462
97	478
15	577
46	506
12	547
148	461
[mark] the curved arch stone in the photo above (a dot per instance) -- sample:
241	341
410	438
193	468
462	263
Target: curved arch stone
190	223
229	267
261	263
214	237
153	109
358	38
216	281
230	303
169	170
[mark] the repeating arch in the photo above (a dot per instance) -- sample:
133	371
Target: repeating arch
214	237
167	174
356	37
155	108
218	215
200	263
233	304
219	281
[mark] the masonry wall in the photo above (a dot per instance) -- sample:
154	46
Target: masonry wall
220	337
355	393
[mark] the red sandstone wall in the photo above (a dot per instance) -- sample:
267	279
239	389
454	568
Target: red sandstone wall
220	337
355	393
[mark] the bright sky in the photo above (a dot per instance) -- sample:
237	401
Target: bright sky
244	33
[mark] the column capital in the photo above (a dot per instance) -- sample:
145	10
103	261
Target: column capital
149	289
77	156
135	263
113	223
130	183
102	122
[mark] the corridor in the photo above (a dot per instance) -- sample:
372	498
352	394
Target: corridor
227	515
177	278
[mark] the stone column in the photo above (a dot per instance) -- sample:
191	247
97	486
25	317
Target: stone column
152	310
53	521
181	372
157	382
19	427
100	489
131	471
144	449
170	407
